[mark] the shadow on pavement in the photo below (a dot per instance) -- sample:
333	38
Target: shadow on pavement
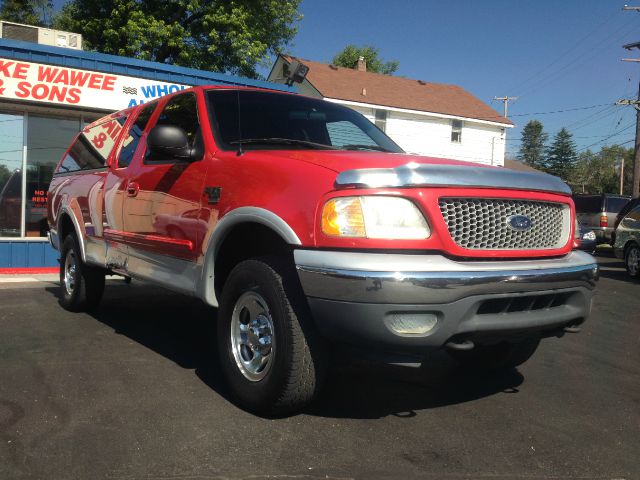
370	390
182	329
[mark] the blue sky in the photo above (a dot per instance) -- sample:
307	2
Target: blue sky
553	55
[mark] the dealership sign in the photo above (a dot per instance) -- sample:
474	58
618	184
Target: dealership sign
83	88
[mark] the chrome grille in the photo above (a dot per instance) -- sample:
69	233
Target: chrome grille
481	223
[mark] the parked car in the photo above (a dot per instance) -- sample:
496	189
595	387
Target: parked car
588	241
631	204
598	213
306	225
627	244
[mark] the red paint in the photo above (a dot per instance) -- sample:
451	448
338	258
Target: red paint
28	271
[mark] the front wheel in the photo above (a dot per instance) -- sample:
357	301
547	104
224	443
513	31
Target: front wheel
271	355
499	356
632	261
82	285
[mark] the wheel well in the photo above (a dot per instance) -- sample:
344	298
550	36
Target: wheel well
628	245
245	241
66	227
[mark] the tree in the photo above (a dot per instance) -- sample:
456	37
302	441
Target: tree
600	172
218	35
532	146
31	12
5	173
561	155
348	58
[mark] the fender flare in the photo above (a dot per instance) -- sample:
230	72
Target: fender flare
66	210
224	227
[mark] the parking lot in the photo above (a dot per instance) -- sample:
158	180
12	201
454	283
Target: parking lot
134	391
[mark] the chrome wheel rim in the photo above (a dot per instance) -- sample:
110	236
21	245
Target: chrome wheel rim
633	261
252	336
70	272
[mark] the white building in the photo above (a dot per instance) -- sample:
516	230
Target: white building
431	119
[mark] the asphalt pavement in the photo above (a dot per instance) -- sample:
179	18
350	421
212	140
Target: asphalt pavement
134	391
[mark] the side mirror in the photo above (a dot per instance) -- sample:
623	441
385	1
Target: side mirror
168	142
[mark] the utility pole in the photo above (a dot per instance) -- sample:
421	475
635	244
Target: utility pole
506	100
621	175
636	151
635	192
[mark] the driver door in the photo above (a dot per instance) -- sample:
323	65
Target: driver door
163	199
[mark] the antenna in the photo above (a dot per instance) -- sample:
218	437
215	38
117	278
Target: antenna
240	151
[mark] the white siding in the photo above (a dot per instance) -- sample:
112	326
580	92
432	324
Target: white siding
431	136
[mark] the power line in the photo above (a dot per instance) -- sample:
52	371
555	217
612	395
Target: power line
631	125
588	54
579	43
562	111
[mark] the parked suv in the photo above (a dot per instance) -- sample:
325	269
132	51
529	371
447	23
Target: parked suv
306	225
631	204
598	213
627	244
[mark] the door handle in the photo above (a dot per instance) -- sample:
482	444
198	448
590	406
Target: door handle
132	189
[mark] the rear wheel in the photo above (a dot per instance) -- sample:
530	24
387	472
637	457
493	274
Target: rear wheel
632	261
499	356
82	285
270	353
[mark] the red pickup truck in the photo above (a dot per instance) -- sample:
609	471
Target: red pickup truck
307	226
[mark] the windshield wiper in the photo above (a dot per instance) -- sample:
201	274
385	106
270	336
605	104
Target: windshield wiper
357	146
281	141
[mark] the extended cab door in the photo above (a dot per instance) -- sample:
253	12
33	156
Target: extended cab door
131	144
162	205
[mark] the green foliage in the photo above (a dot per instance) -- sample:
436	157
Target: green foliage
532	147
600	172
31	12
561	155
231	36
5	173
349	58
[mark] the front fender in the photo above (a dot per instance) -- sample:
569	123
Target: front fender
206	290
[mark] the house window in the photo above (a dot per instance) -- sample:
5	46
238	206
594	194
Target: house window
456	131
381	120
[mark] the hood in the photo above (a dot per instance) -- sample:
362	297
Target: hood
343	160
379	169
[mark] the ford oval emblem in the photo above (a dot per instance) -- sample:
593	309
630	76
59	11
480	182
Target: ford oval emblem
519	223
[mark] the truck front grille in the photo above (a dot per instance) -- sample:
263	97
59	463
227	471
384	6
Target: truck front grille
483	223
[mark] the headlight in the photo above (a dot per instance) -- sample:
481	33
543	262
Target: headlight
590	235
374	217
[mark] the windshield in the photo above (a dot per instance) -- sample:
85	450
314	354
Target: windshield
588	203
271	121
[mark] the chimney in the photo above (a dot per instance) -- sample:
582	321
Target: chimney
362	64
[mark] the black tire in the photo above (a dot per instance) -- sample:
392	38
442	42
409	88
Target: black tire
500	356
632	260
265	294
83	289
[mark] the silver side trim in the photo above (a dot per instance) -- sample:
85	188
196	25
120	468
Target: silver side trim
415	174
170	272
435	284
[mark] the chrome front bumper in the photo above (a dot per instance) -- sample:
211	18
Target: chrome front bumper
351	294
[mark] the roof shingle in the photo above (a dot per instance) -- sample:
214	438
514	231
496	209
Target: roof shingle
366	87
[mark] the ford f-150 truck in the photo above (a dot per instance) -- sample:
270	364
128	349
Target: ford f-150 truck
307	226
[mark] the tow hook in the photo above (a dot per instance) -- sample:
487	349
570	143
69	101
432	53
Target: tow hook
461	345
